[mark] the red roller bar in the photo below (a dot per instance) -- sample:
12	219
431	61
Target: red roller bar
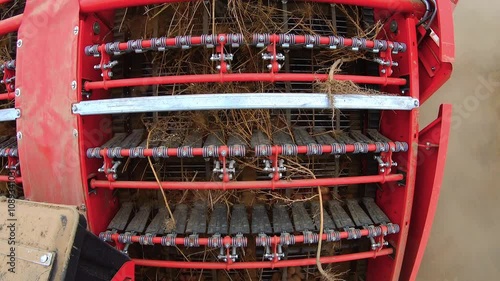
262	264
4	178
7	96
10	24
172	185
227	239
197	41
239	77
87	6
275	150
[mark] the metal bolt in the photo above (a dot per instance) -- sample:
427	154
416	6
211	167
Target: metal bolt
44	258
73	85
75	30
82	208
18	92
19	43
416	103
74	108
96	28
18	112
75	133
394	26
19	135
383	71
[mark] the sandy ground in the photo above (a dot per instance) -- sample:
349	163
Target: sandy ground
464	244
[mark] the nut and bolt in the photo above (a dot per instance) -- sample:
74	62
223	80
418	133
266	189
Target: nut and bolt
73	85
394	26
75	30
19	135
96	28
19	43
17	92
44	258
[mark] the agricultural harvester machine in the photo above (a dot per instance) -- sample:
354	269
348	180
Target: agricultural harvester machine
224	139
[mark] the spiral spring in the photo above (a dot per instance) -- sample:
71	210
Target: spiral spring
13	152
336	42
168	240
261	40
263	150
192	241
358	44
287	239
392	228
312	40
210	151
237	150
113	48
235	39
183	42
146	239
286	39
125	238
160	152
115	152
137	152
289	149
398	47
314	149
208	40
379	45
360	147
215	241
239	241
159	44
310	237
185	151
263	240
381	147
106	236
353	233
11	65
374	231
332	236
339	148
92	50
400	146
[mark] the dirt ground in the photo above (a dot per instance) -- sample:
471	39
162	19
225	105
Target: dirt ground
463	245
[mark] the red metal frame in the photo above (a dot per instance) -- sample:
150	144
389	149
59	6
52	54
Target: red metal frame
432	149
246	184
238	77
126	272
61	138
264	264
407	6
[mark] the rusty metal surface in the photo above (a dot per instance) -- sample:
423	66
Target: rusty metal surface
39	229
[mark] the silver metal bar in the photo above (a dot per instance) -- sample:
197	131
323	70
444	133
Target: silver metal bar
243	101
9	114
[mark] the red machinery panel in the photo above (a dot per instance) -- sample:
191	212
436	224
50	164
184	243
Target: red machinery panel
91	80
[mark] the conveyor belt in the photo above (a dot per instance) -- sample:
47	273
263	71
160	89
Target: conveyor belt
296	218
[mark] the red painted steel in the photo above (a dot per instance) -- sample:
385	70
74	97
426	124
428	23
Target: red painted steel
49	151
437	52
263	264
396	200
172	185
94	130
238	77
7	96
126	272
431	161
391	5
4	178
10	24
